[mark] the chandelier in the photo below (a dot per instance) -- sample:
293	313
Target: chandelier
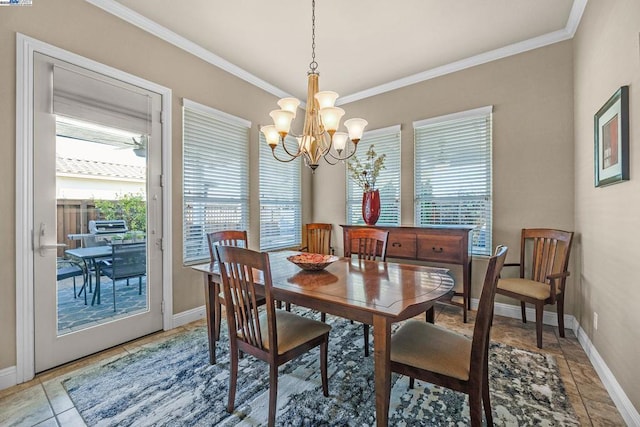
319	138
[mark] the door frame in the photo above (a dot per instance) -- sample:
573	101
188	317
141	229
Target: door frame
25	324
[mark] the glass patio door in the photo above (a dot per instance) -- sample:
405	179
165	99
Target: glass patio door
97	214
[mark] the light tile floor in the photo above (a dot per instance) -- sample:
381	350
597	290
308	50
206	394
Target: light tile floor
44	402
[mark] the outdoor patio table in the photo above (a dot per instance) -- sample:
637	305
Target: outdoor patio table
89	256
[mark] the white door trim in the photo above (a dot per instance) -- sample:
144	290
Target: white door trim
25	49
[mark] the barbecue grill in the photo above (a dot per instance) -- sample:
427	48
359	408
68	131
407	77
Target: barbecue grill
110	226
100	232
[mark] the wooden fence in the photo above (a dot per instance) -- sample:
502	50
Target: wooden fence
73	217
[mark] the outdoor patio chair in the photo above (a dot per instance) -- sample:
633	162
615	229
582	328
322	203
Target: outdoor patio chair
68	268
128	260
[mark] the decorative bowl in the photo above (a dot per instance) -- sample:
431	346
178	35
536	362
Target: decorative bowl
312	262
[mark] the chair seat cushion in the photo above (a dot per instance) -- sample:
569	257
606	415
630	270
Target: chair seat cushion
432	348
526	287
292	330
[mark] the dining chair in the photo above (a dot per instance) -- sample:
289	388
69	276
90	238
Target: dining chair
446	358
235	238
544	261
67	268
367	244
318	239
274	336
128	260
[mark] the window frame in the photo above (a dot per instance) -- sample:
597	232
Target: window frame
477	117
353	193
291	172
235	204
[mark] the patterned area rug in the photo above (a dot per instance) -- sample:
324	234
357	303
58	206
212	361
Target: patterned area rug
171	383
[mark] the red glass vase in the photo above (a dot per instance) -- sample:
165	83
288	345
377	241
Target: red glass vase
371	207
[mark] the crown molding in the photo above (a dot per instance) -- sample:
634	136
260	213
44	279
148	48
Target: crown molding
463	64
134	18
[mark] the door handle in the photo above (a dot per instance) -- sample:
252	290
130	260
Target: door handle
43	247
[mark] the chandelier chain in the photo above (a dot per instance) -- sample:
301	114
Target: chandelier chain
313	65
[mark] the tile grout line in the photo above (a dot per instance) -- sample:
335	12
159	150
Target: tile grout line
569	363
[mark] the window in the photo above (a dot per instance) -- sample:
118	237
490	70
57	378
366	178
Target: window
215	176
386	141
453	173
280	200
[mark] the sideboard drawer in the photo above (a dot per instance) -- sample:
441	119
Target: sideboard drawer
441	248
401	245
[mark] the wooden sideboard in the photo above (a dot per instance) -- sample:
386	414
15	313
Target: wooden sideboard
438	244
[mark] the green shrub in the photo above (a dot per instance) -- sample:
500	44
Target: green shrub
130	207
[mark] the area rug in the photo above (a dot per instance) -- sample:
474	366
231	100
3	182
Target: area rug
172	384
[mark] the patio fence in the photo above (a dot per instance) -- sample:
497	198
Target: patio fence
73	217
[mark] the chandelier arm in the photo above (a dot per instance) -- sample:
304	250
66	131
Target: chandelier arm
273	151
338	158
331	163
294	155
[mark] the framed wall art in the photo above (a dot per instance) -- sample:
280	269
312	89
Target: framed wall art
611	137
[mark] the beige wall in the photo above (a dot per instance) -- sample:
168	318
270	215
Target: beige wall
532	97
81	28
540	98
607	56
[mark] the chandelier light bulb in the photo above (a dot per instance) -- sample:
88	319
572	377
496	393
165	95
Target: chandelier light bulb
289	104
326	98
271	135
331	117
355	128
340	141
282	121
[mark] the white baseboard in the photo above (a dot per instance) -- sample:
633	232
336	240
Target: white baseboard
8	377
513	311
189	316
624	405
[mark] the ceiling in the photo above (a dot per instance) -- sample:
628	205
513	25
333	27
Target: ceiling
363	47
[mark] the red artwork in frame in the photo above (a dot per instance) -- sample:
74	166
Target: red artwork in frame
611	140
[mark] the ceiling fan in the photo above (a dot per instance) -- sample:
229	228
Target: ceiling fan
140	146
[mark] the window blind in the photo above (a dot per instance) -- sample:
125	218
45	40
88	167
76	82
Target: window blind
385	141
453	173
280	200
88	96
215	176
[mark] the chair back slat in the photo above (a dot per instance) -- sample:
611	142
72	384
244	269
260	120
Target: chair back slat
237	238
242	271
319	238
242	289
549	253
368	244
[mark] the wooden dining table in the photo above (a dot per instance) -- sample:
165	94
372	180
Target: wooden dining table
376	293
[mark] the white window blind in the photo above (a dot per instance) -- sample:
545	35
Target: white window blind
280	200
215	176
91	97
453	173
385	141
